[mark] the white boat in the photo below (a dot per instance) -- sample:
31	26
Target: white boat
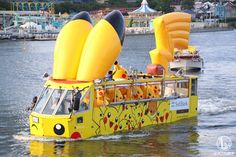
188	60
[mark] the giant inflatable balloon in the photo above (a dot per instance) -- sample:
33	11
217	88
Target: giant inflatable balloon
69	46
171	31
102	47
85	53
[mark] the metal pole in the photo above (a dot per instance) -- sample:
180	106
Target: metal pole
4	22
225	14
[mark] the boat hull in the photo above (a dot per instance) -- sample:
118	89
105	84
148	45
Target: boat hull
110	119
186	64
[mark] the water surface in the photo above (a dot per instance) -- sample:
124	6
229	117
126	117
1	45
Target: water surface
22	64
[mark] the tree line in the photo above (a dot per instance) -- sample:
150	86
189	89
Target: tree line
160	5
68	6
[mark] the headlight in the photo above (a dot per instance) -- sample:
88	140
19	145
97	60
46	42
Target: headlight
35	119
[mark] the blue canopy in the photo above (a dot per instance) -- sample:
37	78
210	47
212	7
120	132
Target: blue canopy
144	8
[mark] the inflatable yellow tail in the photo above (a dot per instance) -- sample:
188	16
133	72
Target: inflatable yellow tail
102	47
171	31
69	46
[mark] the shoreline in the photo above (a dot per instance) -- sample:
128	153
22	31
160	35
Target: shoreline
217	29
202	30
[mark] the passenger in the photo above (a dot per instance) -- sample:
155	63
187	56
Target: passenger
33	104
109	76
76	100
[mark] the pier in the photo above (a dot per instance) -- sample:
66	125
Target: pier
38	36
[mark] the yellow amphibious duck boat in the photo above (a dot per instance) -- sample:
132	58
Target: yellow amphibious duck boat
78	103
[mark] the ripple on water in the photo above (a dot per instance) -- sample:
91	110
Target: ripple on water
23	63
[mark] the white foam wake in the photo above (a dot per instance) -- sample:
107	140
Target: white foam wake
119	136
24	136
216	105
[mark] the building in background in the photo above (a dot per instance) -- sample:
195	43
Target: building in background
220	11
32	5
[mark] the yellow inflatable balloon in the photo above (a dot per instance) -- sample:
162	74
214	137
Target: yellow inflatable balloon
69	46
171	31
102	47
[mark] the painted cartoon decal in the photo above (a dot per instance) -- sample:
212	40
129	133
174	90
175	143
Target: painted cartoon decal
131	116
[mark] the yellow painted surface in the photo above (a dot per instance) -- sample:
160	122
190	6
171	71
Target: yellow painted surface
66	84
108	119
68	49
101	50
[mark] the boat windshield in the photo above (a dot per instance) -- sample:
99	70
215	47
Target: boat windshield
60	102
43	99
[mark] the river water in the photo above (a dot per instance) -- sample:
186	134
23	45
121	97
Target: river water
22	64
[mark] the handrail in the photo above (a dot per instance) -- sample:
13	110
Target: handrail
143	100
107	83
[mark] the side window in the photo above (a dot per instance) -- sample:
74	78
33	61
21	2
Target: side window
65	105
85	101
53	101
170	88
42	100
182	88
152	90
139	91
114	94
194	87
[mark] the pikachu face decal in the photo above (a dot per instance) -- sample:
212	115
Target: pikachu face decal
86	53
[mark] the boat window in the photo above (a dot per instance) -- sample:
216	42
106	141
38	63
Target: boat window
170	88
84	101
43	99
176	88
121	93
153	90
194	87
65	105
182	88
53	101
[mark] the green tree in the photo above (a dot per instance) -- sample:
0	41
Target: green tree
187	4
65	7
164	6
5	5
